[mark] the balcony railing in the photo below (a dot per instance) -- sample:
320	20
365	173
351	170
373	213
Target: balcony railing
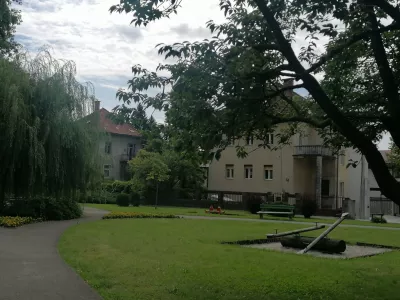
127	156
312	150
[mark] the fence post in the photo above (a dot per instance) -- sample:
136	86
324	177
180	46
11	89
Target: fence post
221	199
245	198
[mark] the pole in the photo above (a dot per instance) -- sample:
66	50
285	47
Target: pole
324	234
337	182
361	205
295	231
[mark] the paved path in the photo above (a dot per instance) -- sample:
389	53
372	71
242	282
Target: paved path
289	222
31	268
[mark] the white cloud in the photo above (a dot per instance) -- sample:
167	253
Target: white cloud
104	46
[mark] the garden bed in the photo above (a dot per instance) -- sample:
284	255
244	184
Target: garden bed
13	222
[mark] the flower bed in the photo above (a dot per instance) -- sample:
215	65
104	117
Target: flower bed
12	222
136	215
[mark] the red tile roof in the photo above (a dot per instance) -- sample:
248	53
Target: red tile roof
110	127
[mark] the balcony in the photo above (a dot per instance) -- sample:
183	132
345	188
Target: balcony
312	150
127	156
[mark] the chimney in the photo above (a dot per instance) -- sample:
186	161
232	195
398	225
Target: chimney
96	105
288	82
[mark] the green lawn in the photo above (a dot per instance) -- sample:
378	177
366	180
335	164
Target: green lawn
229	213
183	259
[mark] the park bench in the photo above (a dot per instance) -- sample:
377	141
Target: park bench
379	214
276	209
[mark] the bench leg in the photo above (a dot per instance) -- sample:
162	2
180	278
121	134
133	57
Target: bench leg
261	216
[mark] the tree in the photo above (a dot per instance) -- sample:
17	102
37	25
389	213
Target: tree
394	159
183	162
9	19
233	84
46	147
148	168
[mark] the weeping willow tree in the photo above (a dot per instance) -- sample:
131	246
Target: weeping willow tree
46	146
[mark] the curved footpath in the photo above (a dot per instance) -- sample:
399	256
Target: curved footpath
32	269
288	222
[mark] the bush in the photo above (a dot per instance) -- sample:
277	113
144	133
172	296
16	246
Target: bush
46	208
103	197
136	215
135	199
123	199
12	222
253	203
378	220
116	186
308	208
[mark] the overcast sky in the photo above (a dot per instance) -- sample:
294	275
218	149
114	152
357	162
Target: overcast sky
104	46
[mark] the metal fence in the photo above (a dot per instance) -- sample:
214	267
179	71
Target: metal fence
385	206
330	206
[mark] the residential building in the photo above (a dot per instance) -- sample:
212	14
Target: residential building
363	188
304	166
121	143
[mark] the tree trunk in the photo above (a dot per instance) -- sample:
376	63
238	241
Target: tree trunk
325	245
156	196
389	186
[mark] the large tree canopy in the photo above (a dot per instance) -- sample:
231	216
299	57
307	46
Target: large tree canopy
9	19
162	143
46	147
233	84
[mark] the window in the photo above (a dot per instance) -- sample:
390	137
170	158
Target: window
248	171
249	140
229	171
270	139
107	148
268	172
131	151
106	170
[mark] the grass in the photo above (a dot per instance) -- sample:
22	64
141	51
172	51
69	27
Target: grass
229	213
183	259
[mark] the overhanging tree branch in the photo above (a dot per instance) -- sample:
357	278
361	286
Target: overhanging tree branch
392	11
265	47
386	74
354	39
385	180
284	89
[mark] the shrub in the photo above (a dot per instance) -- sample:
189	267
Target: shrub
253	203
136	215
123	199
135	199
102	197
46	208
378	220
116	186
308	208
12	222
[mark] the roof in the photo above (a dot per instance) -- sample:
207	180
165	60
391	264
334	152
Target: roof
111	127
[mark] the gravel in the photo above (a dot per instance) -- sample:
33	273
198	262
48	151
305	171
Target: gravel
351	251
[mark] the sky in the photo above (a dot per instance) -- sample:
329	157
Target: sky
105	47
